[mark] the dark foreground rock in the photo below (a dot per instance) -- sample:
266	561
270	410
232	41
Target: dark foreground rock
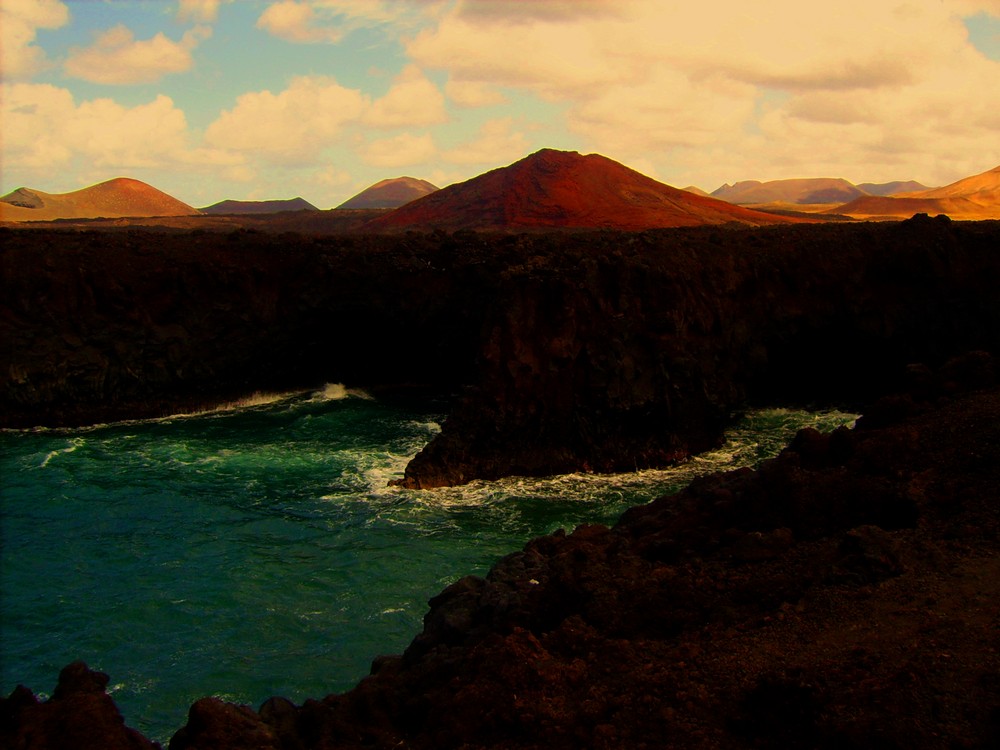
846	594
79	715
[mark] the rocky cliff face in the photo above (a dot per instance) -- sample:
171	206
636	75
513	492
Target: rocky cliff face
630	351
112	325
598	351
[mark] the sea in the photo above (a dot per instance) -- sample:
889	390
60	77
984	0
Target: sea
258	549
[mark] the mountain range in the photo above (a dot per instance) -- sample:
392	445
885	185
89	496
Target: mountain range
547	189
564	189
972	198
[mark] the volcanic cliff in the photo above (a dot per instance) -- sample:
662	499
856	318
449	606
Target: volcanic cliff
560	189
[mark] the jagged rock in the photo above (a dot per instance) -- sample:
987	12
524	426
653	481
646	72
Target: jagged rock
80	715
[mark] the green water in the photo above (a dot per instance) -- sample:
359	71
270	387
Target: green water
258	551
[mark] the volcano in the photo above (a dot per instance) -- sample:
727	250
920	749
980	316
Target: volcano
117	198
391	193
564	189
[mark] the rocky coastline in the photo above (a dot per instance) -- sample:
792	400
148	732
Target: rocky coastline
842	595
845	594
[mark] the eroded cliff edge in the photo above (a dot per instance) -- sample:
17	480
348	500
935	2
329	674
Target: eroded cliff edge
573	350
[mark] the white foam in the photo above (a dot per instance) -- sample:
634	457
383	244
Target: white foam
338	392
75	443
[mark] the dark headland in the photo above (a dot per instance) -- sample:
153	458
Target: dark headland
843	595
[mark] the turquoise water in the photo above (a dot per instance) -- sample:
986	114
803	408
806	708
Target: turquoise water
258	551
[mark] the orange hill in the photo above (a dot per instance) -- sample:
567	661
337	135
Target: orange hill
973	198
562	189
120	197
391	193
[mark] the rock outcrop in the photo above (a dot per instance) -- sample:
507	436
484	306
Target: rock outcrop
80	715
634	351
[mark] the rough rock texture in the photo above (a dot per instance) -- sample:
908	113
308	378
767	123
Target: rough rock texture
846	594
601	351
80	715
109	325
635	352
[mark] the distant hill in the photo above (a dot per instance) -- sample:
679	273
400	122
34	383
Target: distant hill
696	190
971	199
120	197
562	189
891	188
391	193
797	191
258	207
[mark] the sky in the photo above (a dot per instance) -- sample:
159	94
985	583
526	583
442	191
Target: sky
210	100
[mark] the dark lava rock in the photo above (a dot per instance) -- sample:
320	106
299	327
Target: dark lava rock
79	716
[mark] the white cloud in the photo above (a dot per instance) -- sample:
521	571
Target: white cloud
412	100
20	20
496	143
117	57
296	22
291	127
713	86
473	93
318	21
199	11
46	132
400	151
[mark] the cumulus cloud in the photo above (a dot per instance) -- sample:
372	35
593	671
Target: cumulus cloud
402	150
46	131
495	143
199	11
297	22
315	21
413	100
291	127
20	20
117	57
687	84
473	93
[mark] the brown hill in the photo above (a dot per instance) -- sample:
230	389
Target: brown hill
258	207
797	191
982	189
563	189
115	198
892	188
971	199
391	193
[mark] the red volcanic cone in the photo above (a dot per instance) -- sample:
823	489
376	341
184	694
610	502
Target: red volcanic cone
563	189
